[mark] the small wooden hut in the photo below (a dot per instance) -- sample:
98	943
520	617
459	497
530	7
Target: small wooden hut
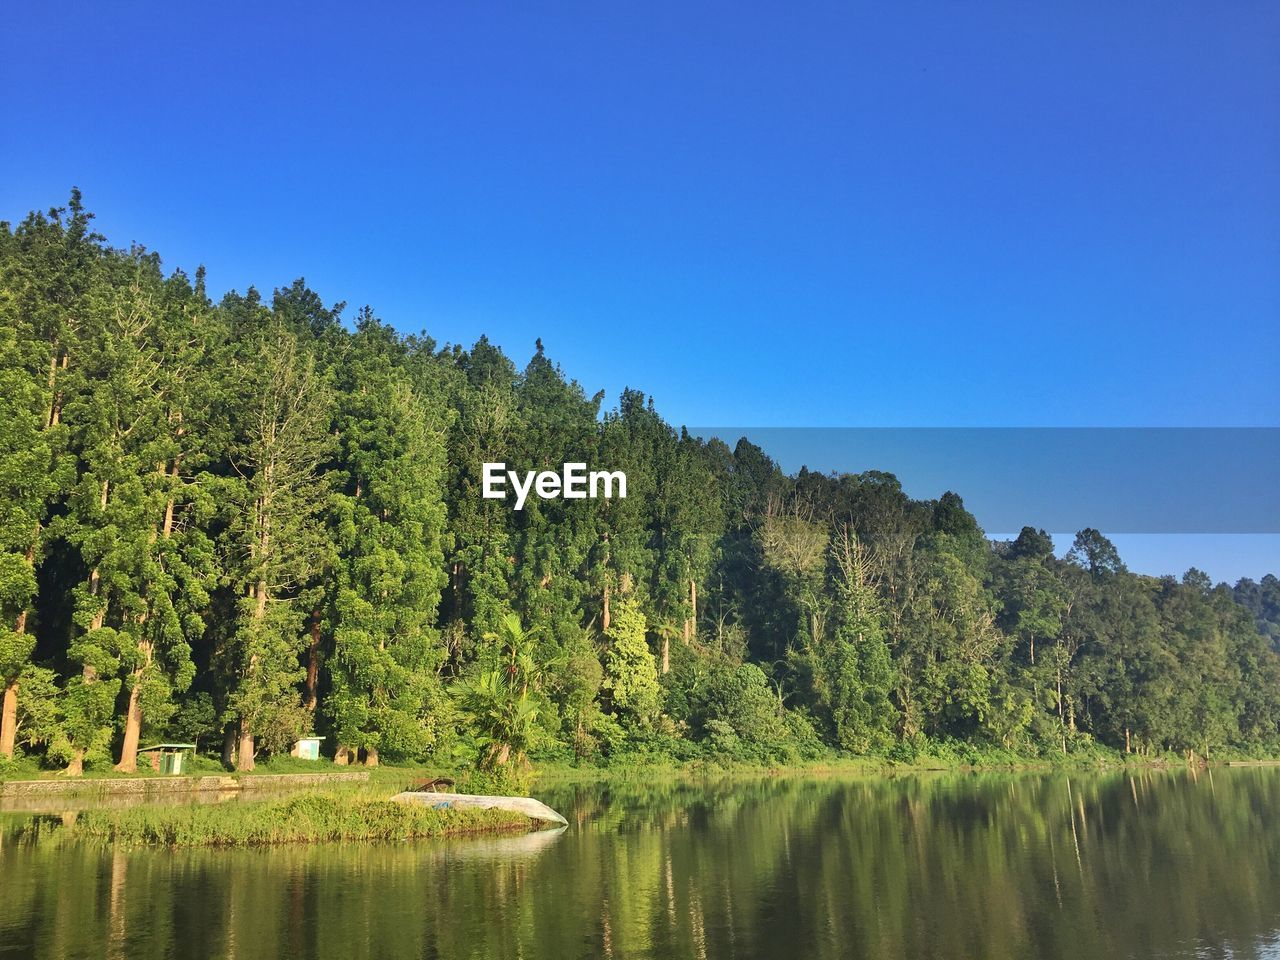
168	758
307	748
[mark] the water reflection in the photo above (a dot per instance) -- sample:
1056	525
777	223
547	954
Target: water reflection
1136	864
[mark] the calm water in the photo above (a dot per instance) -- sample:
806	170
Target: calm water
991	866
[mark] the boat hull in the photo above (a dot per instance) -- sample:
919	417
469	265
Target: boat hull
533	809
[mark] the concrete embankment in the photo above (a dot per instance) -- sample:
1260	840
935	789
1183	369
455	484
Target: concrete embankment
19	794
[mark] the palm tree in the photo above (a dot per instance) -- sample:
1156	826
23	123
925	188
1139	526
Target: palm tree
666	631
499	701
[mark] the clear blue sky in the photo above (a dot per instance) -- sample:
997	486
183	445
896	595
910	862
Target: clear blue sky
774	214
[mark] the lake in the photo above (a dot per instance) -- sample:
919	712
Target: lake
1119	864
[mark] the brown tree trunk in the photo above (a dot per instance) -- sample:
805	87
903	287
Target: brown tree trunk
604	613
9	720
244	753
1126	741
341	756
666	652
691	625
132	730
55	395
167	525
76	767
133	713
229	746
95	585
371	756
313	662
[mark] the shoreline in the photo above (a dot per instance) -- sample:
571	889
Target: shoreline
300	818
108	784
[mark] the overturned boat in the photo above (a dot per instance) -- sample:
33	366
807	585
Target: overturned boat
533	809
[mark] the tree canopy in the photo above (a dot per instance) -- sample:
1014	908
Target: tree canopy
250	520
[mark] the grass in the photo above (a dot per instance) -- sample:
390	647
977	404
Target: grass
305	817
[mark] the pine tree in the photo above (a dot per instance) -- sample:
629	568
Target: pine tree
274	538
853	670
389	522
46	265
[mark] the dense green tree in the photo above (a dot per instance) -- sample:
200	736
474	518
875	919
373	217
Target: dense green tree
251	519
49	263
501	698
274	537
1262	599
630	672
853	669
388	518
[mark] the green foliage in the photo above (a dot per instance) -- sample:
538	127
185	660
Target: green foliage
239	522
630	673
388	524
500	698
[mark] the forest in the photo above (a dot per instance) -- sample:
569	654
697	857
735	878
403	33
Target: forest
237	522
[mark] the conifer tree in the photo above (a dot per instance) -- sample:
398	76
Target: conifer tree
389	520
274	539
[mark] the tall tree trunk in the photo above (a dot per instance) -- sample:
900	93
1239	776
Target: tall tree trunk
244	757
9	719
1061	721
9	711
132	731
55	395
313	662
133	714
370	756
228	746
604	613
166	526
95	585
666	651
244	751
341	756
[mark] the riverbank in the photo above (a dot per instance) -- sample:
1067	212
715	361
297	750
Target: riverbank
288	774
301	818
867	767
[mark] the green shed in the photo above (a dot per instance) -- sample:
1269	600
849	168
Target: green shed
307	748
168	758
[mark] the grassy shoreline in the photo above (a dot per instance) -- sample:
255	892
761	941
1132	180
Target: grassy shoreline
945	758
300	818
364	812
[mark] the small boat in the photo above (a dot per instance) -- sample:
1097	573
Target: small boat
531	808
